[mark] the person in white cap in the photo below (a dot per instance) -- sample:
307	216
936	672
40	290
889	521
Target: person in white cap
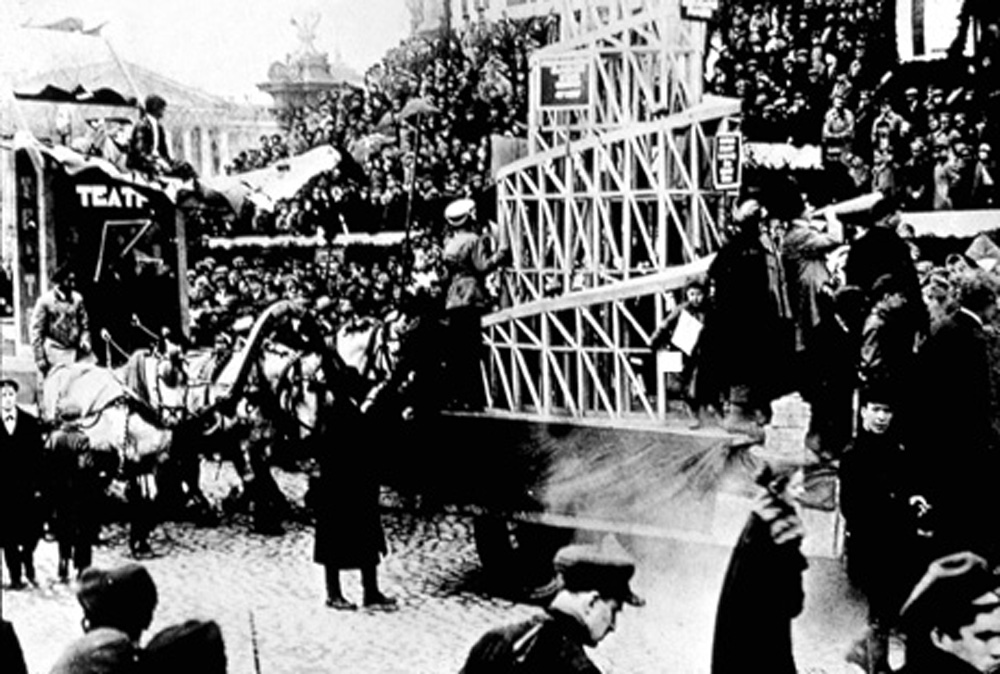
469	257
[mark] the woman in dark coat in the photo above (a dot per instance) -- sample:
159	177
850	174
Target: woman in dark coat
344	498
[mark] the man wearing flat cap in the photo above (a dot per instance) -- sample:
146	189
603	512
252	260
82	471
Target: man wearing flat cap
118	606
952	618
593	588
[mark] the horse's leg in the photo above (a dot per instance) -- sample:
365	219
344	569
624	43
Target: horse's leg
267	502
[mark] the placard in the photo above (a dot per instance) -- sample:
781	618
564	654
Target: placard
565	83
699	9
727	169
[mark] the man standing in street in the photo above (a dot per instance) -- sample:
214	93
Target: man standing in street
594	586
60	328
20	486
952	619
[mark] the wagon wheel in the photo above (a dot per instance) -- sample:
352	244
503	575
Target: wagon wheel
516	556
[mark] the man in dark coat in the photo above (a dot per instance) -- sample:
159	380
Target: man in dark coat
20	486
876	250
593	588
762	589
11	655
148	148
951	620
76	486
956	450
748	335
887	544
344	499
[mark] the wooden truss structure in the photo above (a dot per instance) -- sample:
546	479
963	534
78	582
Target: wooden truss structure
614	207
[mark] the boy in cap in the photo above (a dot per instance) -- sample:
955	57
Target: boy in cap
20	486
593	587
886	517
118	605
952	618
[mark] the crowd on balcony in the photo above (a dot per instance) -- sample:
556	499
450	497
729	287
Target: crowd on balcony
824	73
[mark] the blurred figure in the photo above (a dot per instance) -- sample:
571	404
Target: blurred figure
593	588
762	587
11	655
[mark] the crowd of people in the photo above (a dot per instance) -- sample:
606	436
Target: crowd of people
819	73
470	84
898	358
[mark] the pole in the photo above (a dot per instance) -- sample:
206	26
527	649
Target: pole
253	643
405	273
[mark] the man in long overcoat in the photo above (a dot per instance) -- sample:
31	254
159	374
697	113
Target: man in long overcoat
346	509
20	486
956	448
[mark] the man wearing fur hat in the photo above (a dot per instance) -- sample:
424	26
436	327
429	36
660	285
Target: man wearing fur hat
469	257
118	606
951	620
593	588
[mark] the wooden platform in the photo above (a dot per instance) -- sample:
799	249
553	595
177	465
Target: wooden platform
655	480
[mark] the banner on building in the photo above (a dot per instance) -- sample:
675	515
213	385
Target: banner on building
925	29
565	82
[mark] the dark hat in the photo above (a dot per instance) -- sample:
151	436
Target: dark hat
604	569
192	645
878	391
117	597
950	587
9	381
70	412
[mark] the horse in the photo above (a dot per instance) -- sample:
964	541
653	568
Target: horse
162	412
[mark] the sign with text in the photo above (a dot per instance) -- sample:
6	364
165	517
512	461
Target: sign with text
727	169
699	9
566	83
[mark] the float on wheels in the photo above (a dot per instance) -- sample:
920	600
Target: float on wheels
628	181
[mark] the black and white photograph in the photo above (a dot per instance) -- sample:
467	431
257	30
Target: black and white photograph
500	336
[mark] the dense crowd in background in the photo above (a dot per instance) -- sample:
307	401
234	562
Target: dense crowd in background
474	84
824	73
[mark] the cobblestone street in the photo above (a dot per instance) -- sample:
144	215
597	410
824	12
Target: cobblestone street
269	585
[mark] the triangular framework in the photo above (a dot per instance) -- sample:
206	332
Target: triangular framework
613	207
